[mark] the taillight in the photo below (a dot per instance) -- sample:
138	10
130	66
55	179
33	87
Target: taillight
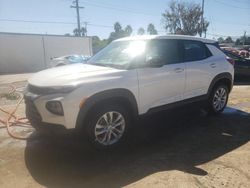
231	61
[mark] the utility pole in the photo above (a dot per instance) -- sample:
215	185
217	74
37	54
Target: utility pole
77	7
202	18
244	38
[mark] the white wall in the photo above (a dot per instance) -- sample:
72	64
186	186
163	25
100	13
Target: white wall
20	53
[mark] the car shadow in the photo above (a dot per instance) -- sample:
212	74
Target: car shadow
176	140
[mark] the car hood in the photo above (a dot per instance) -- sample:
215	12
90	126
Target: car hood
72	75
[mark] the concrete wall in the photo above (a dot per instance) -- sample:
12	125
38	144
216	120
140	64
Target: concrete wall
21	53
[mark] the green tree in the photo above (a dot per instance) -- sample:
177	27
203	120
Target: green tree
237	42
128	30
117	27
185	17
118	32
245	40
80	33
220	40
141	31
98	44
76	32
228	40
151	29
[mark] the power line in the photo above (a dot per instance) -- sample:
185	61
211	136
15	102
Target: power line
243	2
54	22
227	23
116	8
230	5
219	35
36	21
97	25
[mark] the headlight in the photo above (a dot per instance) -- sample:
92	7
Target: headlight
55	107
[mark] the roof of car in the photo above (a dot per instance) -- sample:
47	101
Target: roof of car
183	37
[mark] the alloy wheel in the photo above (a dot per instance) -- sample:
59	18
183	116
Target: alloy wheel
220	99
109	128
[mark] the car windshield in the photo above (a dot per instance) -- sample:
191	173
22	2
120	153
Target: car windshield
119	54
75	59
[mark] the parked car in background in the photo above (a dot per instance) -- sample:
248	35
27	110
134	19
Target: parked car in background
241	65
70	59
244	53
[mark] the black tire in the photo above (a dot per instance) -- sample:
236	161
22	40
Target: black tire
211	107
94	117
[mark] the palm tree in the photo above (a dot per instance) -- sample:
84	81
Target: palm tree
117	27
76	32
80	33
128	30
83	31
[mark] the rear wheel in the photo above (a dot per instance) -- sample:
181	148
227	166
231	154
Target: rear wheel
108	126
218	99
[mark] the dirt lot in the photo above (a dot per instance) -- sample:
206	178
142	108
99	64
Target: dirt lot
181	148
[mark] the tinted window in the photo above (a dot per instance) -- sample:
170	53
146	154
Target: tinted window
195	51
166	50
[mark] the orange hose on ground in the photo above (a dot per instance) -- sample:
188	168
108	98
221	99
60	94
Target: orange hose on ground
12	119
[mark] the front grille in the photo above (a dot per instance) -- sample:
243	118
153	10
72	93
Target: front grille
49	90
32	113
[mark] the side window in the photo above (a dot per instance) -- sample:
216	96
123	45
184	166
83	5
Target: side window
165	49
195	51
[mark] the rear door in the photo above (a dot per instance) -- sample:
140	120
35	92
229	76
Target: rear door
200	68
162	85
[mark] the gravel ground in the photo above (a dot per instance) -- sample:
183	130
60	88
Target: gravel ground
181	148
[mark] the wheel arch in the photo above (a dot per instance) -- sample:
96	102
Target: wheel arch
221	78
122	96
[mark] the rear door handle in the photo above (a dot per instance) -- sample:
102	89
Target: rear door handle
178	70
213	65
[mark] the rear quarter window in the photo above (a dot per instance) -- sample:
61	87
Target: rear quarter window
195	51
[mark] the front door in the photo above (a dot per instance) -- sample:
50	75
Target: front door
161	85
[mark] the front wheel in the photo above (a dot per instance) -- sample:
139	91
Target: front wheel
108	126
218	99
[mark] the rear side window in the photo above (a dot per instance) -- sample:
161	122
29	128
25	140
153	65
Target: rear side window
195	51
166	50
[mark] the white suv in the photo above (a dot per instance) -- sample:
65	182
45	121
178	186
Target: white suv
130	77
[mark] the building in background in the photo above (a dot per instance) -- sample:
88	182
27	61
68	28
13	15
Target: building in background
22	53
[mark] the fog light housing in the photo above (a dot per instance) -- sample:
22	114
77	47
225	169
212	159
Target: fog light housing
55	107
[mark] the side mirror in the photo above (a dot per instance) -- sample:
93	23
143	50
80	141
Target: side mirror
155	62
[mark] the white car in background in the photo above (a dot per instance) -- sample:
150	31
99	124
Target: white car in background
69	59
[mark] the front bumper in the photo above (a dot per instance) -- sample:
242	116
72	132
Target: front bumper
35	118
40	117
31	111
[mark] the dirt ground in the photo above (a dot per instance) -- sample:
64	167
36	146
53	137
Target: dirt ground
179	148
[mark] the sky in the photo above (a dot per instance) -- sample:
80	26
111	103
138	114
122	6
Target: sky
226	17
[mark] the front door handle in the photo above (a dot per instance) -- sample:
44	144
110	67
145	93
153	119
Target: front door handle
178	70
213	65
